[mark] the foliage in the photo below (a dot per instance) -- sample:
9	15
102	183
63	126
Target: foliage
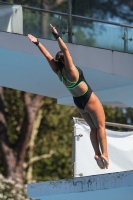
119	10
119	115
14	110
11	190
81	37
55	133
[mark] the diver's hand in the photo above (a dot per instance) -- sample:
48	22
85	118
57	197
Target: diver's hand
32	38
53	29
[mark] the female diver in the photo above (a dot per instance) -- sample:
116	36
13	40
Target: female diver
84	98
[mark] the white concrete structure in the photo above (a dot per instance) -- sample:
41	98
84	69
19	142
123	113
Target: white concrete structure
101	187
120	151
23	67
11	18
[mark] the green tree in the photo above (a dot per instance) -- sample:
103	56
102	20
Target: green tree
56	136
13	149
119	115
106	10
28	136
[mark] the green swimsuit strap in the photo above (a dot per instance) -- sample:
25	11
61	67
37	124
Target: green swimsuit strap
73	83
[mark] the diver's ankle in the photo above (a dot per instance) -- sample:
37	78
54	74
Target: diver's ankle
104	154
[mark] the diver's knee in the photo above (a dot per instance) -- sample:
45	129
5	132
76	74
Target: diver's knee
100	127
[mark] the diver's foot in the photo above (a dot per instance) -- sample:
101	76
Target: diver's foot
105	161
100	161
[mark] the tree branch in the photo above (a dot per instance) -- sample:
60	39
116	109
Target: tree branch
3	124
36	158
5	147
31	108
32	143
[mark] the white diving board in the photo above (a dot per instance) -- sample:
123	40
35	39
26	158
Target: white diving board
99	187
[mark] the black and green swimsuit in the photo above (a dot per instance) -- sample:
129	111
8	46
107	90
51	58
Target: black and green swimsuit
82	100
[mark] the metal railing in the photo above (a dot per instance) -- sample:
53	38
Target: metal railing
119	125
70	18
126	126
73	16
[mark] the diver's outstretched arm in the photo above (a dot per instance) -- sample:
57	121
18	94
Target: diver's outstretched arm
45	52
68	59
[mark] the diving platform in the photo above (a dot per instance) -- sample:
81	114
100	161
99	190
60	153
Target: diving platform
102	187
23	67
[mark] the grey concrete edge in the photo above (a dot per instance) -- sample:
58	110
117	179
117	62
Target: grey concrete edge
81	184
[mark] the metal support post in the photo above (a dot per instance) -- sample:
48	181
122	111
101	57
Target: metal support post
69	6
60	26
125	38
